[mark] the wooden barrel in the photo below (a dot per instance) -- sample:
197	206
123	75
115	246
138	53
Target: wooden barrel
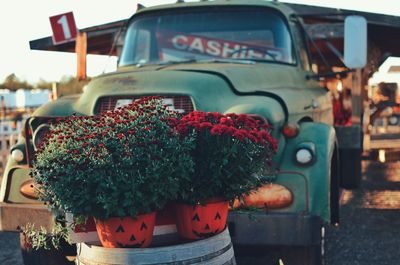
216	250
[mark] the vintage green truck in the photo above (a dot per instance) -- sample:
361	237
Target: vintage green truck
227	56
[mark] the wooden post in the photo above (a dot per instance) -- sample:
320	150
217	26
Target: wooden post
81	51
356	100
4	151
54	91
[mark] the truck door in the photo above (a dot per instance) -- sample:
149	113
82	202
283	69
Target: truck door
319	104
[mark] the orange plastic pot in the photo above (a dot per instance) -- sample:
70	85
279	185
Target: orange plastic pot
126	232
201	221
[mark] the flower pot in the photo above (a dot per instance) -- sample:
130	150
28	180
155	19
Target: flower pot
201	221
126	232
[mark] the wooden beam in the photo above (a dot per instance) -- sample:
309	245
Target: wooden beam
335	14
81	51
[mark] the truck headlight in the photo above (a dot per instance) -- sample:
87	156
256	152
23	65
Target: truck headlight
17	155
305	154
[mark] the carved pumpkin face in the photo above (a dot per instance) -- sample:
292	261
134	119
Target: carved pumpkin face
126	232
202	221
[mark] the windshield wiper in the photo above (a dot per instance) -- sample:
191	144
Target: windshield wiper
188	61
214	60
223	60
170	62
177	62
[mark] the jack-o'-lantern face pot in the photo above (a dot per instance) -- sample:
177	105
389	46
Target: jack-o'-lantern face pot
201	221
126	232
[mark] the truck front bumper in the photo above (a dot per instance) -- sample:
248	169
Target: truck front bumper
14	215
276	229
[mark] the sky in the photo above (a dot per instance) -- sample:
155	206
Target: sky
25	20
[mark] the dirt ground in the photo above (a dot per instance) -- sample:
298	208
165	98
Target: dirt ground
9	249
370	223
370	228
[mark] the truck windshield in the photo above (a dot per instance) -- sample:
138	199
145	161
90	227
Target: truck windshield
181	35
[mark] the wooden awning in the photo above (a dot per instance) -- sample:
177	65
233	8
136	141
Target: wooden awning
100	40
325	26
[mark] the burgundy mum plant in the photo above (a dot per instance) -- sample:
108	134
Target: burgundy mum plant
122	163
232	154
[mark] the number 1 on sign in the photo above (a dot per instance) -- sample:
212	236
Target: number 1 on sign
64	23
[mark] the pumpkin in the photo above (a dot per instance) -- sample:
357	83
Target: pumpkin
201	221
126	232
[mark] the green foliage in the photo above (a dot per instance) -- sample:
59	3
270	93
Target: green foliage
12	82
43	84
70	86
40	238
122	163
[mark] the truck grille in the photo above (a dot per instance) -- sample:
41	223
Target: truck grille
180	103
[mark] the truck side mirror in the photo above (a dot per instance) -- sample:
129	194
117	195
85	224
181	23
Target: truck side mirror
355	42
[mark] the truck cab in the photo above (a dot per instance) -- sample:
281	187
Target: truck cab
234	56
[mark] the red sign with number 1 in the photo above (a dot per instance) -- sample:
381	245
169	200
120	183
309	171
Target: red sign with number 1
64	28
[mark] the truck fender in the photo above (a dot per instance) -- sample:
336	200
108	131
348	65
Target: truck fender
59	108
319	172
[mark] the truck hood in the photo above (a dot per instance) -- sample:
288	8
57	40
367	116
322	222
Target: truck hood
219	84
286	83
251	77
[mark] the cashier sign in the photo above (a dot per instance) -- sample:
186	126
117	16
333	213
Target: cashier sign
174	45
